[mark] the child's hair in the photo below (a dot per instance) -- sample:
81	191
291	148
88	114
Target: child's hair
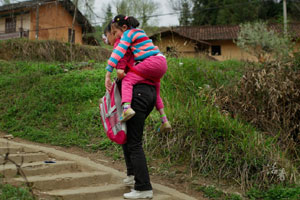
130	21
107	28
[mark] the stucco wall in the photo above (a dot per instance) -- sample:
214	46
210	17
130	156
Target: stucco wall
54	23
230	50
2	25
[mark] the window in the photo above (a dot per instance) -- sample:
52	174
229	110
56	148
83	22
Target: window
215	50
10	25
170	49
70	33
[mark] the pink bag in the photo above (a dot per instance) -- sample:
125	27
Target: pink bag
110	111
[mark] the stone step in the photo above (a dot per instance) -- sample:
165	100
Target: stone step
67	180
31	169
26	157
14	149
155	197
89	193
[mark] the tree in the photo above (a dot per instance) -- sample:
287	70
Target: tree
185	14
205	11
108	15
4	2
184	8
86	7
140	9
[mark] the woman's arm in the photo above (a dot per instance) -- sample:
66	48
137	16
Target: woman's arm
108	83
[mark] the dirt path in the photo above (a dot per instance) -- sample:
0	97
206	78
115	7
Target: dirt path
76	174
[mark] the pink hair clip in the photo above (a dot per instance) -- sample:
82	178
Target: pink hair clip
126	17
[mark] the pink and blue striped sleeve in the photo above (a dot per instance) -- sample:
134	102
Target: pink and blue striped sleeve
119	51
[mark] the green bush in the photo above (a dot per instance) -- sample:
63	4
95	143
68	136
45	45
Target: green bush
275	192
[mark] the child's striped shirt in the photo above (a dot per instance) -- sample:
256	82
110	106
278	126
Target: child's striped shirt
141	46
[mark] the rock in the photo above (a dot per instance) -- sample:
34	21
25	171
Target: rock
9	137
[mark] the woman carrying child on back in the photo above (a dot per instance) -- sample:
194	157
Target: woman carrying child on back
140	92
150	64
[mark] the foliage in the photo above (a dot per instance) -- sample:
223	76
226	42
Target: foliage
185	15
268	94
51	103
58	104
268	98
234	12
263	43
48	50
184	7
213	193
108	16
275	192
8	192
140	9
205	136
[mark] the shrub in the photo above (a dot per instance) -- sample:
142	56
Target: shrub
49	50
263	43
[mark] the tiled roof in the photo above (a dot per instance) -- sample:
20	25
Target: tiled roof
225	32
208	32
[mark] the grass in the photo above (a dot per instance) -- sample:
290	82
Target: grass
8	192
213	193
58	104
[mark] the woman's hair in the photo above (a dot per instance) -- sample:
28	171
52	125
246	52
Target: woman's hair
107	28
130	21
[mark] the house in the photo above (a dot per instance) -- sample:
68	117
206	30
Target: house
217	41
43	20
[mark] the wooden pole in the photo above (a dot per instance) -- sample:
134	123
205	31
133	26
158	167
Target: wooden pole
284	17
37	22
72	30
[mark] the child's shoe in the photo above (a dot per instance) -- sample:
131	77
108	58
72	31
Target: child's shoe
165	127
127	114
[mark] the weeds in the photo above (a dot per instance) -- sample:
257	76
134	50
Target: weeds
7	191
10	192
51	51
46	103
275	192
213	193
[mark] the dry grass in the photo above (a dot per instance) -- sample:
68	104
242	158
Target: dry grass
49	51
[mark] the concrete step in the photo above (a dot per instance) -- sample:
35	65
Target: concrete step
14	149
68	180
89	193
26	157
31	169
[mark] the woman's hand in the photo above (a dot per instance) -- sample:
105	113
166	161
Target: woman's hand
120	74
108	83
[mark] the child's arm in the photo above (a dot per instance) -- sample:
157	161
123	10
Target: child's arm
120	50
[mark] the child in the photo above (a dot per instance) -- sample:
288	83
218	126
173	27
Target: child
128	58
152	64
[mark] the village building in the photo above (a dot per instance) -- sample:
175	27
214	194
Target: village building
214	42
43	20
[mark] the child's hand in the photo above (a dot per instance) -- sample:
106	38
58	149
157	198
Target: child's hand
108	83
